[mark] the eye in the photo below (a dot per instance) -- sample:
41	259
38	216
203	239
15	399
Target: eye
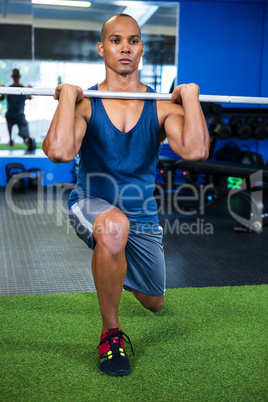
115	40
134	41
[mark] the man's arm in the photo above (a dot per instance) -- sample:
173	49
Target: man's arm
186	128
69	124
28	96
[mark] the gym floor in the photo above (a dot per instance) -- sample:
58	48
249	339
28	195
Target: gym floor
40	254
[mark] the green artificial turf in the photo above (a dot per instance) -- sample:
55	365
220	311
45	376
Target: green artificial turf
5	147
206	344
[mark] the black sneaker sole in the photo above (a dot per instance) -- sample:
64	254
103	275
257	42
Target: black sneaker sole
117	373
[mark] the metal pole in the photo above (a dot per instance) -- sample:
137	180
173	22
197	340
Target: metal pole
135	95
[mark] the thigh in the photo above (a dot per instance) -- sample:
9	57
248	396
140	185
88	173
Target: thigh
82	216
146	270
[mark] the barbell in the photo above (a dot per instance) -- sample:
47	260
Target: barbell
134	95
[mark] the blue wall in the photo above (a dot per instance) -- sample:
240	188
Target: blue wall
223	46
264	79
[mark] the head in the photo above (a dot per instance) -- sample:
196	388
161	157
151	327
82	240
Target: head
112	19
121	46
16	74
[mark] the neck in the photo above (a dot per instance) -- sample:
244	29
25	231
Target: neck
124	83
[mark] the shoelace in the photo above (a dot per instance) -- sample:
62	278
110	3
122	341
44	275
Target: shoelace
119	335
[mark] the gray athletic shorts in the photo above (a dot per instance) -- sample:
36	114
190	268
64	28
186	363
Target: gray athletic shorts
144	251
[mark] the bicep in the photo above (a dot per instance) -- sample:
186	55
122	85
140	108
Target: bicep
173	127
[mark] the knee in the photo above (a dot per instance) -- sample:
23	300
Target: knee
111	231
155	306
152	303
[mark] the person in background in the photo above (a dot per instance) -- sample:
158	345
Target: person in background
15	113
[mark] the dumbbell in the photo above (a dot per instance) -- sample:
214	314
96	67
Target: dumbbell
15	172
211	108
259	129
34	177
218	128
240	129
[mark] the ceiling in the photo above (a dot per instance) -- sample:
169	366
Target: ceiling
22	11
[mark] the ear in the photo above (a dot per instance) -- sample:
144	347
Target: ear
100	49
142	46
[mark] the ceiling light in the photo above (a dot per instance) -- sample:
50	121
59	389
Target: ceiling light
128	3
141	13
65	3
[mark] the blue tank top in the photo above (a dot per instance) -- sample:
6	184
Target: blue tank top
15	107
120	167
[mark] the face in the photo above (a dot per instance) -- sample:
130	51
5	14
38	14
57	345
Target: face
121	45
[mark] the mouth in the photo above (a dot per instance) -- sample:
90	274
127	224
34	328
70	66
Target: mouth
125	60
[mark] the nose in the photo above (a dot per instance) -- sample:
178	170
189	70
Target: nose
125	47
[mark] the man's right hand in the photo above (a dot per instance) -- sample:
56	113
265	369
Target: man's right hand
72	90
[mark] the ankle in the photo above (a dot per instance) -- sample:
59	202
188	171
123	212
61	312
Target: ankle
110	331
111	327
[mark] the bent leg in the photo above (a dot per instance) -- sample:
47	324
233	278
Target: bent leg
104	229
146	275
24	131
152	303
109	265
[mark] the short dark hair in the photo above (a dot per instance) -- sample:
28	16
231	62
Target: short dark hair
103	29
15	73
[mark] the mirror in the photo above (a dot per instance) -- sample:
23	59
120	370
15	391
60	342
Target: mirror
69	36
62	45
65	44
16	31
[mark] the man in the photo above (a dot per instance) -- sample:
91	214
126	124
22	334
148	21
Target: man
112	207
15	113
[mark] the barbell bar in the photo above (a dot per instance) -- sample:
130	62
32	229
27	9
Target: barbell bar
135	95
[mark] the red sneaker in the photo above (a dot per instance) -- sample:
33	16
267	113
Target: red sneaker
113	359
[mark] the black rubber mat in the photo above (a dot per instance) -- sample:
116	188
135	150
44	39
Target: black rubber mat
40	254
208	252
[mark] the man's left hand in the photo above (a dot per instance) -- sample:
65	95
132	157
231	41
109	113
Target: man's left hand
184	90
